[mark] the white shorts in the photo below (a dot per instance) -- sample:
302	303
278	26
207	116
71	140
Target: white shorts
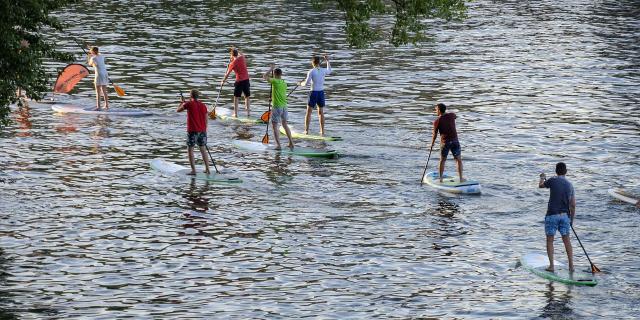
278	114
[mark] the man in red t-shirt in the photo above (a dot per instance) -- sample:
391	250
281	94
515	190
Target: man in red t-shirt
196	128
446	125
238	64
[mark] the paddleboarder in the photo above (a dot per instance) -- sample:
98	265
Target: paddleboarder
238	64
445	124
279	100
316	94
196	128
561	211
96	60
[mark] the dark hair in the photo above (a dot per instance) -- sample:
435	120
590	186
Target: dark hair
316	60
94	49
234	52
561	169
194	94
442	107
277	72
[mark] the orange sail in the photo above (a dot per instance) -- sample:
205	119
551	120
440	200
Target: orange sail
69	77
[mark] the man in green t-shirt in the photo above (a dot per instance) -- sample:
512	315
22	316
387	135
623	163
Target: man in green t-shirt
279	101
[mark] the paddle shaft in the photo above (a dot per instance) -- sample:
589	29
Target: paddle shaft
427	165
265	139
294	89
212	161
594	269
220	90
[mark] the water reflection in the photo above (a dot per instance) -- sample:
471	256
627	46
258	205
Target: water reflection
558	303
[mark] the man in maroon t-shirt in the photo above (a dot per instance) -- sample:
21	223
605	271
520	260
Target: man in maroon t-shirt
196	128
238	64
446	125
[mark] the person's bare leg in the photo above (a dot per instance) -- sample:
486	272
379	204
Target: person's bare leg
247	105
191	162
321	119
97	97
441	167
569	249
235	106
550	253
285	125
206	160
106	97
276	134
459	162
307	120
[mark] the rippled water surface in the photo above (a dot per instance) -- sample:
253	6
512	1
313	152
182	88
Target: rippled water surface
87	229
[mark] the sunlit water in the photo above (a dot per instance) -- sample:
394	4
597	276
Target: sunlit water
87	229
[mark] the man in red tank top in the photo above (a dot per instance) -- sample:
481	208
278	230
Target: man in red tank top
446	125
238	64
196	128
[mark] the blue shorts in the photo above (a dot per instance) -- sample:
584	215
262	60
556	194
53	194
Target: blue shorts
316	98
454	146
199	138
557	222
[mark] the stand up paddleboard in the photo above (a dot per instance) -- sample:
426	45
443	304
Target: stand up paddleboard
74	108
173	169
537	263
623	196
224	114
297	151
299	135
452	184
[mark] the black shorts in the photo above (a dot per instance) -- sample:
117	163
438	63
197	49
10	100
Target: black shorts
454	146
241	87
199	138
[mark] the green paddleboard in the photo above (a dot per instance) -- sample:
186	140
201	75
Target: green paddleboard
537	263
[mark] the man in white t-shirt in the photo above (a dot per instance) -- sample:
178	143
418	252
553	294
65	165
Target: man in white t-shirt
316	94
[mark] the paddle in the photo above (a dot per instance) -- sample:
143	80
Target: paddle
265	139
425	167
294	89
594	269
119	90
212	114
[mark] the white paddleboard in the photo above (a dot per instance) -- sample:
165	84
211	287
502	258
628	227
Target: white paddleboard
623	196
173	169
300	135
298	151
81	109
536	263
225	114
452	183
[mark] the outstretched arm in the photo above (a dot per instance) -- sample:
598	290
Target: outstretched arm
182	106
306	80
326	59
543	178
267	75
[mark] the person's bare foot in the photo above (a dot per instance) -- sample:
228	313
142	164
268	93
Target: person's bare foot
106	107
192	173
96	108
463	180
207	172
549	268
322	133
305	132
235	115
572	269
291	146
278	147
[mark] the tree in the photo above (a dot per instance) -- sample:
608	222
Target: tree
408	15
23	49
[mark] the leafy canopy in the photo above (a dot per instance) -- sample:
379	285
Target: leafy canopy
366	20
23	49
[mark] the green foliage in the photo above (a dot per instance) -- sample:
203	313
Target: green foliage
23	48
363	28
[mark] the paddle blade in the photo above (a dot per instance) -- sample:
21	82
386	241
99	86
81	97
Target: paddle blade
265	117
212	114
119	90
594	269
265	139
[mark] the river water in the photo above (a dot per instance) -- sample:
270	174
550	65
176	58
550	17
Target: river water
88	230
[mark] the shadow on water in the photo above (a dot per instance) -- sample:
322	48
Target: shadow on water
558	302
